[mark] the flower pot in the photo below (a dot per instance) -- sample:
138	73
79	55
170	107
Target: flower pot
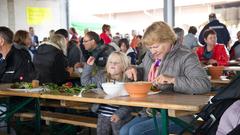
215	71
138	89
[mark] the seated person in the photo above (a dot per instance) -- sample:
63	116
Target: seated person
74	53
22	40
171	67
129	51
212	53
235	49
14	65
110	117
95	47
50	61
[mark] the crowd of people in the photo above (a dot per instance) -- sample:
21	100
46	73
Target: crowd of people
163	56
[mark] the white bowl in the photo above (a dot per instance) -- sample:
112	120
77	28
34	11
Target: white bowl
223	78
116	89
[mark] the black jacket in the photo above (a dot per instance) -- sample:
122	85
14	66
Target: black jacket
16	65
74	54
222	33
101	54
50	64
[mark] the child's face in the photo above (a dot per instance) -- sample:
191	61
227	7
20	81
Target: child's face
114	66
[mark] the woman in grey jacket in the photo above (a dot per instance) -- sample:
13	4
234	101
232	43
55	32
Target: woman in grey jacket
170	67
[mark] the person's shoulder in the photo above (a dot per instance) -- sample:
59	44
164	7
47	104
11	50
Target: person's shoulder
220	45
19	54
200	47
221	23
102	35
183	52
108	47
17	51
183	49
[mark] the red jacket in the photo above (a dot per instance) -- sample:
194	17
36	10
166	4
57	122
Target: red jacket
134	42
220	54
105	38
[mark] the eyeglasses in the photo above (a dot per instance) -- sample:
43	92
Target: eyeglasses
85	41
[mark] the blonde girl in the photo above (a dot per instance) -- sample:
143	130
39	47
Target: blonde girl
110	117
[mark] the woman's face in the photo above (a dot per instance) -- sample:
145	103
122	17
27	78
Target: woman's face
28	41
159	50
123	47
114	66
211	39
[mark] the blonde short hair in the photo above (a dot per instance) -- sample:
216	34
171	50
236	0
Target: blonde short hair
158	32
60	41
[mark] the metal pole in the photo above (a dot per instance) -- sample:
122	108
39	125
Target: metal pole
67	13
169	12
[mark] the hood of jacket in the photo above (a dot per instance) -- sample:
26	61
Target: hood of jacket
47	47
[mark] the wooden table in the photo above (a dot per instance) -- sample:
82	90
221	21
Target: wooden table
165	102
227	68
234	63
232	68
219	82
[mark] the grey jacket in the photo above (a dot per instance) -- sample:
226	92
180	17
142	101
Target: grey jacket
124	112
184	65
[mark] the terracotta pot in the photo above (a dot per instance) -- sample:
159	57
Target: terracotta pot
138	89
215	71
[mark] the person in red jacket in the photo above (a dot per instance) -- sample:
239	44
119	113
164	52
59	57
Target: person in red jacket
212	53
105	34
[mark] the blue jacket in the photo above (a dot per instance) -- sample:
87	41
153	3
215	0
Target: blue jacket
222	33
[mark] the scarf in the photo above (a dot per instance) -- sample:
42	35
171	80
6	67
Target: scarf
207	55
154	70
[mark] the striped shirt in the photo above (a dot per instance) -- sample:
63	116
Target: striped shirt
107	110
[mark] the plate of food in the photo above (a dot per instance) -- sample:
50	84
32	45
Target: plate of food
25	87
153	92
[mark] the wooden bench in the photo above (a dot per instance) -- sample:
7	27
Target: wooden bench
62	118
66	104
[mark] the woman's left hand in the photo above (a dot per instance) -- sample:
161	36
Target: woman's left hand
164	79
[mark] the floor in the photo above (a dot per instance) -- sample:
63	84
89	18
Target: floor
45	130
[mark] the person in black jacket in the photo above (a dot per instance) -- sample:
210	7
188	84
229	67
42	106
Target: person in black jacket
74	53
50	61
14	65
223	36
95	47
22	41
